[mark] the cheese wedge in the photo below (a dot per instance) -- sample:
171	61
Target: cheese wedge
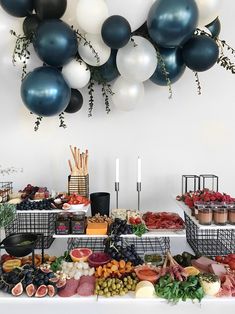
96	228
144	289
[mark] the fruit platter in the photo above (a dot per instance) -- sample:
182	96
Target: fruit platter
39	198
83	273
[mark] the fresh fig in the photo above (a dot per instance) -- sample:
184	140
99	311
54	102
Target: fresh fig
30	290
54	280
61	283
17	290
51	291
46	270
41	291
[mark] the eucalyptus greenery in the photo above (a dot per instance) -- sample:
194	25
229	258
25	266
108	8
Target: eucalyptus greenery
86	42
62	122
197	80
9	170
37	123
7	214
223	60
21	51
165	73
91	96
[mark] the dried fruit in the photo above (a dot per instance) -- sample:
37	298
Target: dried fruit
114	269
51	291
17	290
30	290
41	291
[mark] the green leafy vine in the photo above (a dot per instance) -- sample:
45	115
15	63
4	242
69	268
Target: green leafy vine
197	80
21	50
62	121
165	73
91	96
86	42
37	123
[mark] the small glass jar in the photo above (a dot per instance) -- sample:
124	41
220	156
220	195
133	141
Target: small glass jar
62	225
205	216
231	216
78	223
220	216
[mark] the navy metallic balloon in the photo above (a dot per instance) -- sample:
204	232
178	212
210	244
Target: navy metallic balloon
109	71
174	64
76	102
116	31
214	27
50	9
18	8
55	43
45	92
200	53
30	25
172	22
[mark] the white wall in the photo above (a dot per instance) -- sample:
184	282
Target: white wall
190	134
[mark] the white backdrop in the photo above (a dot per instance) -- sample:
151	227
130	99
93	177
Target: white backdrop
189	134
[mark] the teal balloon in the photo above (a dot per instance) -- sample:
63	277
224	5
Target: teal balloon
17	8
109	71
116	31
214	27
55	42
200	53
174	64
45	92
172	22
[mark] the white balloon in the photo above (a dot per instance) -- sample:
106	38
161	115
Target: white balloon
69	16
77	74
7	23
135	11
99	47
91	15
208	11
127	94
137	61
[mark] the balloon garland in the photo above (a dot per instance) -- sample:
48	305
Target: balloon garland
84	42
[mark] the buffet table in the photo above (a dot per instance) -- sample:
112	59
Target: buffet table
115	305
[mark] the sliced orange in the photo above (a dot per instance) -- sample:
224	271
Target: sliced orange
192	271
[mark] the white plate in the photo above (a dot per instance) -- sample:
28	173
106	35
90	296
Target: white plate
77	208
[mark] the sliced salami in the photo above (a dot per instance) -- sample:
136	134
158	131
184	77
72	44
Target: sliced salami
70	289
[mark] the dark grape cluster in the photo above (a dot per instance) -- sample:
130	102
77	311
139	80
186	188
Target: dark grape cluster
40	205
119	227
118	250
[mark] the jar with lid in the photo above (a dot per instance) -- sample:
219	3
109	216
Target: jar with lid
220	216
78	223
62	225
205	216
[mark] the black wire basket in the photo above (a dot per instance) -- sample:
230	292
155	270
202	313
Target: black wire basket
142	245
38	223
209	242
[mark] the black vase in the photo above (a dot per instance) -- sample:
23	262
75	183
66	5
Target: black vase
100	203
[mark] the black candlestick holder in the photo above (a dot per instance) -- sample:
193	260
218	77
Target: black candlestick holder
117	192
138	191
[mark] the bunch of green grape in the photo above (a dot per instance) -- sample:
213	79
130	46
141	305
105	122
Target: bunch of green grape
109	287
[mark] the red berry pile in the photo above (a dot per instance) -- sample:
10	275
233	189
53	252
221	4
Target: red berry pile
205	196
